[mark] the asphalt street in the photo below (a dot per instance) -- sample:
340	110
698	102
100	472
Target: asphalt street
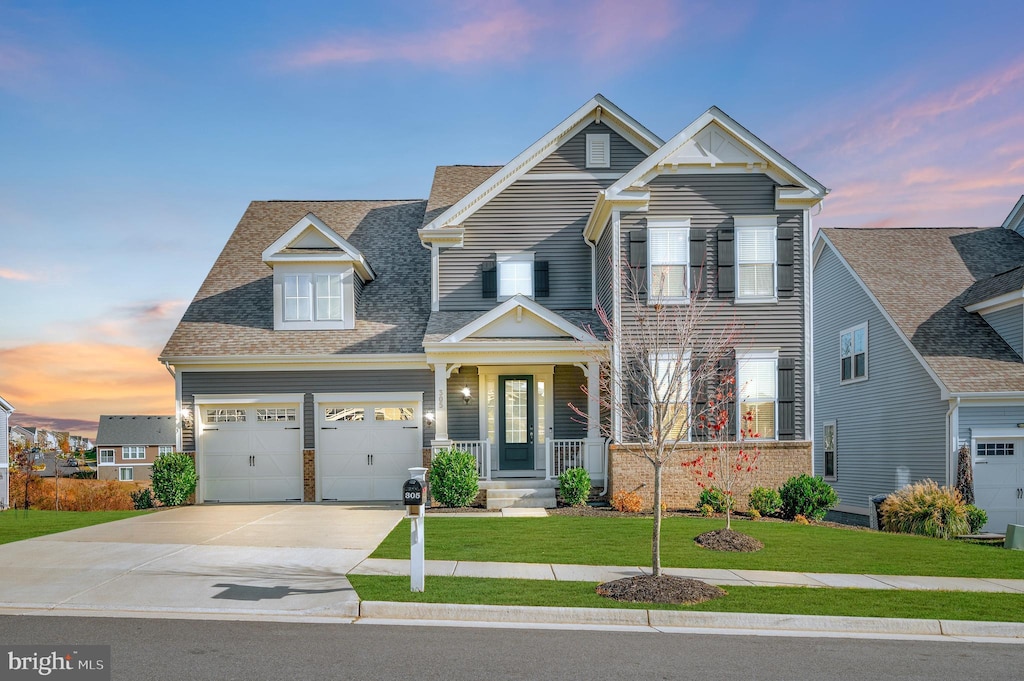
164	650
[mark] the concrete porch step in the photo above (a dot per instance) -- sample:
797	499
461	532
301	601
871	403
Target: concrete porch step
525	483
521	498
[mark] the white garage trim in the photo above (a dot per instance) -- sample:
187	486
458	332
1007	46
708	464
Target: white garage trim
244	401
365	399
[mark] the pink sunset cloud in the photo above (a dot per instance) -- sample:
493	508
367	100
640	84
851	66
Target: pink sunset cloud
479	33
15	275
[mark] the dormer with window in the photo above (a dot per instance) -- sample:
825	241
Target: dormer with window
317	277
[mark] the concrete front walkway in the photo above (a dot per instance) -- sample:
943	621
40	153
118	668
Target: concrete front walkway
597	573
244	559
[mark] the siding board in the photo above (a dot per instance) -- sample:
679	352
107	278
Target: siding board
568	388
890	427
464	419
1009	324
571	156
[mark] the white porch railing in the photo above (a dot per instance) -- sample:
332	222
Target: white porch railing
565	454
481	451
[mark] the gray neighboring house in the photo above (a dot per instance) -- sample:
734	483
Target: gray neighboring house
5	454
334	344
127	446
918	345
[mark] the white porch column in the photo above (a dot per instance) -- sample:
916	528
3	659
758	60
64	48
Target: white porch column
440	404
593	403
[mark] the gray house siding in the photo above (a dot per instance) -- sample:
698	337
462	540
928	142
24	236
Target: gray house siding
604	255
1001	416
545	217
1009	324
711	202
890	428
308	382
568	388
572	155
463	418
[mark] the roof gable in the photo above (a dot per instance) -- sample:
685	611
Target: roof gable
310	240
597	109
6	406
519	317
1015	220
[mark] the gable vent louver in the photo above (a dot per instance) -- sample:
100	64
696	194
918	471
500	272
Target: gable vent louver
598	150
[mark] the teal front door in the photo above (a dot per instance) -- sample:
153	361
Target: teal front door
515	423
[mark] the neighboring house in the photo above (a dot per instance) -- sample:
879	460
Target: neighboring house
24	434
79	443
127	446
918	344
5	454
335	344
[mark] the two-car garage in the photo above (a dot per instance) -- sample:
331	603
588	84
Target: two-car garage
250	448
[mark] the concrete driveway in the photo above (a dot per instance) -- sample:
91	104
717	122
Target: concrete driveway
240	560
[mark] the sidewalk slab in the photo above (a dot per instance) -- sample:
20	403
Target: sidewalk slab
710	575
505	570
918	583
400	567
1012	584
774	578
593	573
843	581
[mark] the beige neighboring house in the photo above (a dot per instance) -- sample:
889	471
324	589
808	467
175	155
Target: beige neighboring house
5	479
127	446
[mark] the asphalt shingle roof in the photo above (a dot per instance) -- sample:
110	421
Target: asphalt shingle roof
135	430
451	184
233	312
924	277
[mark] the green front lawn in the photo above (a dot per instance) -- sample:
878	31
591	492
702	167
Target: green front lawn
16	524
995	607
627	541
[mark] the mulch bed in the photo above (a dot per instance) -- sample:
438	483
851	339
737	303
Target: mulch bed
662	589
728	540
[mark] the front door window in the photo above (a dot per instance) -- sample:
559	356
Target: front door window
516	422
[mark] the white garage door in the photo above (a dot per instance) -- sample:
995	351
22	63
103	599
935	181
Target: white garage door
251	452
366	447
999	481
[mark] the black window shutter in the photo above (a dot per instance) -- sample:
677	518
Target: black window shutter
787	398
698	401
639	399
541	288
727	368
785	261
490	280
726	263
698	261
638	259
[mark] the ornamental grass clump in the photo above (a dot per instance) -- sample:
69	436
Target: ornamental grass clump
453	478
926	509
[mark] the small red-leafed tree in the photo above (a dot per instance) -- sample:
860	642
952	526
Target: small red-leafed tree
662	353
725	461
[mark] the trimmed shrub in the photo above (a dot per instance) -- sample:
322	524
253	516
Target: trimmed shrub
706	510
755	514
627	502
977	518
765	501
807	496
715	498
453	478
574	486
174	478
142	499
926	509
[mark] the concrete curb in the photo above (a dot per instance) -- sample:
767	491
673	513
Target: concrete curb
668	619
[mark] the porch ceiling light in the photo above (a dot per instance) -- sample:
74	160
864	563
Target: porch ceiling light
429	418
466	394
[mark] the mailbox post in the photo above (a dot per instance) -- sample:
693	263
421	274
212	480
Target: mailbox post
414	498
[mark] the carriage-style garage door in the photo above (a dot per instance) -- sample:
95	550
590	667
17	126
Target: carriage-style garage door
250	452
999	481
366	444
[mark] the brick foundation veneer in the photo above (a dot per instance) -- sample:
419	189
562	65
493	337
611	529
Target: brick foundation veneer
778	462
428	456
309	475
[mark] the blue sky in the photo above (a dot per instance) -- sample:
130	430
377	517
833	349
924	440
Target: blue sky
134	134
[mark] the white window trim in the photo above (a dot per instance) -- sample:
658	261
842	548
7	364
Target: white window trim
99	457
593	137
757	355
131	473
160	449
867	340
671	223
759	222
133	457
835	451
344	270
669	356
503	257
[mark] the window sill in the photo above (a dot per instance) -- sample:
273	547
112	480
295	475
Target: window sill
850	381
651	302
752	300
830	478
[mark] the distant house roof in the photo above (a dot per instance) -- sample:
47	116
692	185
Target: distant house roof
451	184
6	406
136	430
233	312
923	278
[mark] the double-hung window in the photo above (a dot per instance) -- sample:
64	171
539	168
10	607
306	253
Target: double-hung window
670	394
668	253
106	456
133	452
853	354
515	274
756	253
126	474
757	378
164	449
300	292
